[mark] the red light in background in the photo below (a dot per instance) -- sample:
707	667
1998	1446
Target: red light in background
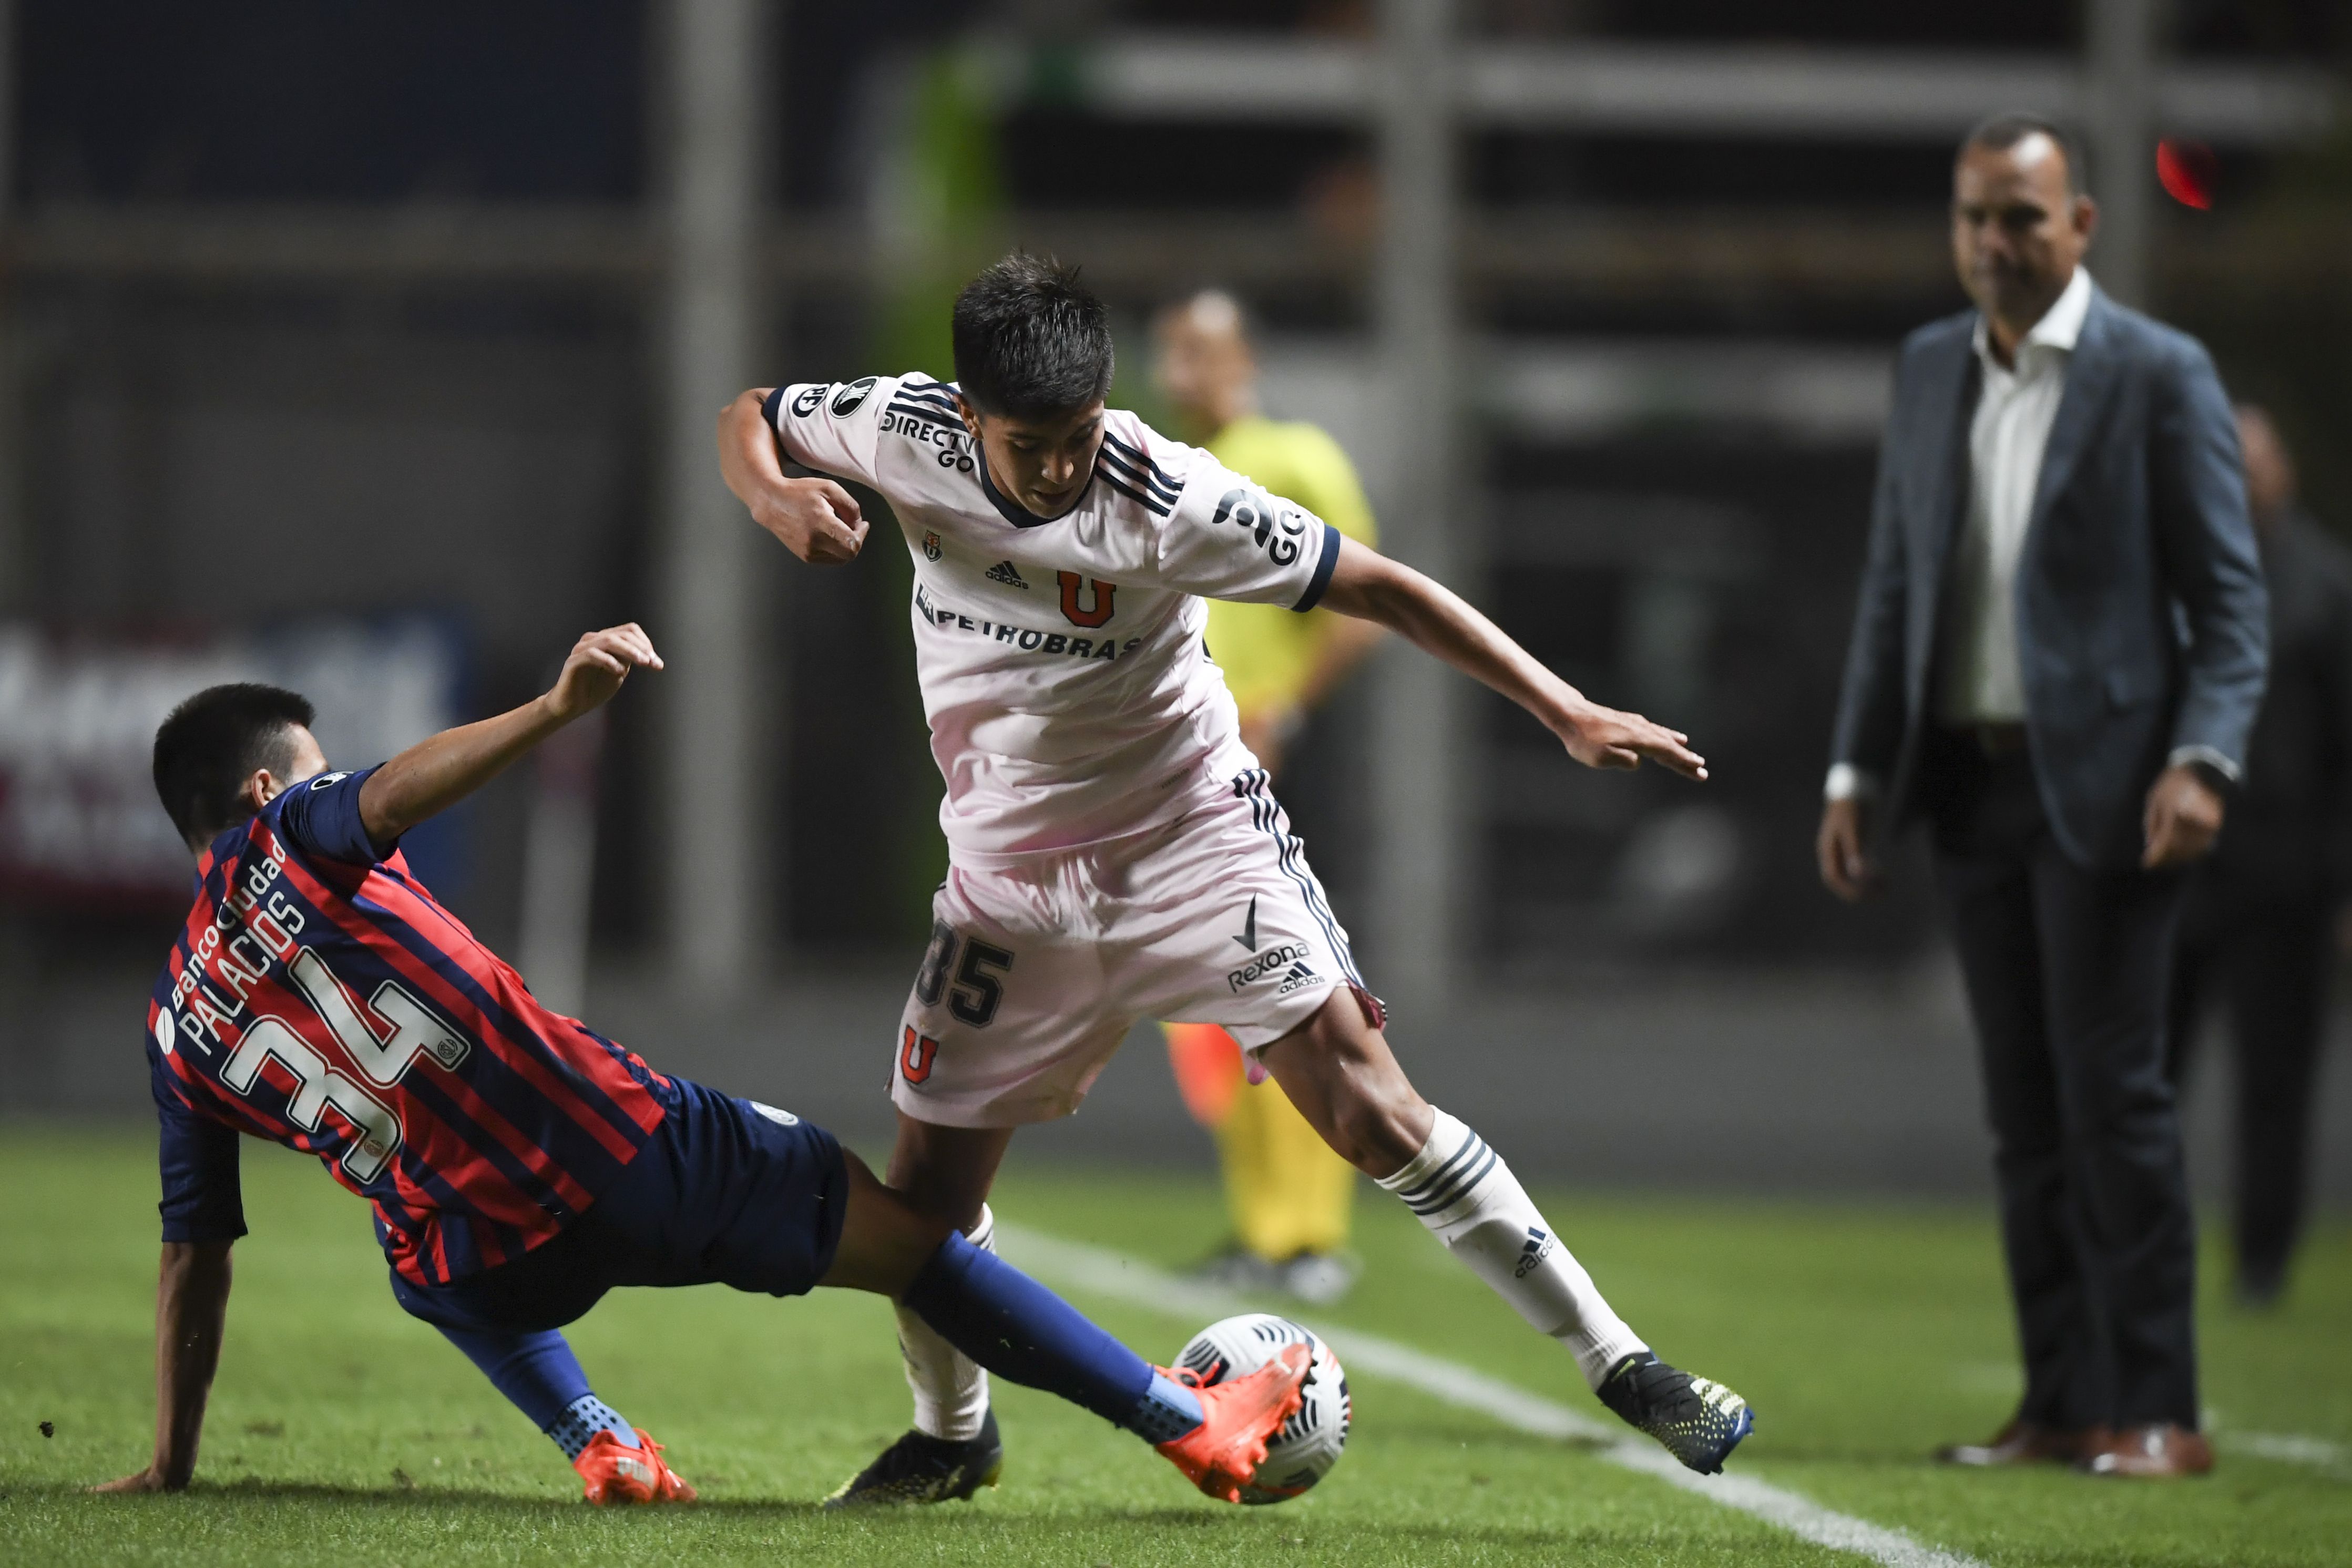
2189	173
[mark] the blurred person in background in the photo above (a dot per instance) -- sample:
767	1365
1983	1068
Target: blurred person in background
2262	911
2056	659
1289	1196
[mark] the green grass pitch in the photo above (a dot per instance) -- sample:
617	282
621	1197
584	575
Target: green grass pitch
342	1432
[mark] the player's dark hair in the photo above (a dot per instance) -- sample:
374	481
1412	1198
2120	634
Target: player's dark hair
213	743
1031	340
2003	132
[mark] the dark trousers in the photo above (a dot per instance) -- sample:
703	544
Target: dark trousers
2067	973
2264	951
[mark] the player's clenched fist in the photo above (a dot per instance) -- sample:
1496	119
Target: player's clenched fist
816	520
599	663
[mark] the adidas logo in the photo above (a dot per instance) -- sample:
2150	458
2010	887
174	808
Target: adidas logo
1538	1245
1297	976
1005	572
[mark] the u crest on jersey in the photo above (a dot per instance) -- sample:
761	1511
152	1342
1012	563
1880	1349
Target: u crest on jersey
1096	614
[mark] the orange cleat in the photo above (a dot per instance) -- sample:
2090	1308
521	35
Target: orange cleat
617	1473
1225	1450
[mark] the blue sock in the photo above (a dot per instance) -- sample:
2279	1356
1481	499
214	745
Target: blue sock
541	1374
582	1420
1023	1333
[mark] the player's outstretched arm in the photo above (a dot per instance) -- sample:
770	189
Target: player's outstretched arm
191	1311
1369	586
436	773
817	520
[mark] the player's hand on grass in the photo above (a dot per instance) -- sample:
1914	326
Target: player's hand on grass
1603	737
148	1479
817	520
598	663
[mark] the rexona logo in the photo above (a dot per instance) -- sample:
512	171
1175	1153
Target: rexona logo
1273	960
847	400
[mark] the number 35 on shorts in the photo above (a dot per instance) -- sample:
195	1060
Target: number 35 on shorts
977	990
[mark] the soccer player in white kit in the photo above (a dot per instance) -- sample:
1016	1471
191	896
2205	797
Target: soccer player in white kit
1114	853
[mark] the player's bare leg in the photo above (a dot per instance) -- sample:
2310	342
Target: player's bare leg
1338	1070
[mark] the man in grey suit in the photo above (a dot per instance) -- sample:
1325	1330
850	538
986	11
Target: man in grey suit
2056	659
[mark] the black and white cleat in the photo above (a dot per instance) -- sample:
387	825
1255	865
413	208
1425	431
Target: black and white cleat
1699	1421
923	1468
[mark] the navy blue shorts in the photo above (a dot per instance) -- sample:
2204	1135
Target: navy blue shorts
724	1192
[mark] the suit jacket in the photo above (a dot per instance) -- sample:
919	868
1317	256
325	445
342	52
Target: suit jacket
2142	620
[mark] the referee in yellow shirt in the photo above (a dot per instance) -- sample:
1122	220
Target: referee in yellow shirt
1290	1195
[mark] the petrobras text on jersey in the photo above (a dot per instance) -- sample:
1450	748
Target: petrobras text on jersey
1027	639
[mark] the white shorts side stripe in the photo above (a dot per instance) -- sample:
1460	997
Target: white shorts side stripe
1266	813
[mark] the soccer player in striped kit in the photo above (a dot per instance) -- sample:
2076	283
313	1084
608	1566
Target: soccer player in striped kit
1115	853
520	1164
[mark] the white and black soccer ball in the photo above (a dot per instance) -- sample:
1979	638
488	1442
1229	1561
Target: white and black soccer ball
1308	1445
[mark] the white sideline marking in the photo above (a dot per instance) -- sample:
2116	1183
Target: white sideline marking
2288	1448
1131	1279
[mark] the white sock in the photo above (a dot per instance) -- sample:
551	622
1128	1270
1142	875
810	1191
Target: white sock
951	1389
1471	1201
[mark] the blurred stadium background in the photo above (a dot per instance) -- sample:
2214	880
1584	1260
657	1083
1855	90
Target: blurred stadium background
376	349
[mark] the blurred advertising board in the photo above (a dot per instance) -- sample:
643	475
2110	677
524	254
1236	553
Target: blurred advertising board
79	823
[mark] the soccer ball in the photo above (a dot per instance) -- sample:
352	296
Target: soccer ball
1308	1445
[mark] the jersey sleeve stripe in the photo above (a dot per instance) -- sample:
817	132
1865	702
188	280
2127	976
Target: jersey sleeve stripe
926	412
773	408
1324	564
1108	477
1141	472
1137	454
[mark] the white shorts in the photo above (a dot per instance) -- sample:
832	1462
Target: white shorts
1039	967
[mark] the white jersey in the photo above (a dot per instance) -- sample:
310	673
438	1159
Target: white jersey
1070	695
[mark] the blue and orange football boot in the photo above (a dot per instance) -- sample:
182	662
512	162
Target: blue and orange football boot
1238	1419
616	1473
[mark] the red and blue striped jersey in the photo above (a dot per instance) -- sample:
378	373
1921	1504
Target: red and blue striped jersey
320	997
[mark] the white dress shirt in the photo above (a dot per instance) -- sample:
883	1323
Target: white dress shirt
1980	681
